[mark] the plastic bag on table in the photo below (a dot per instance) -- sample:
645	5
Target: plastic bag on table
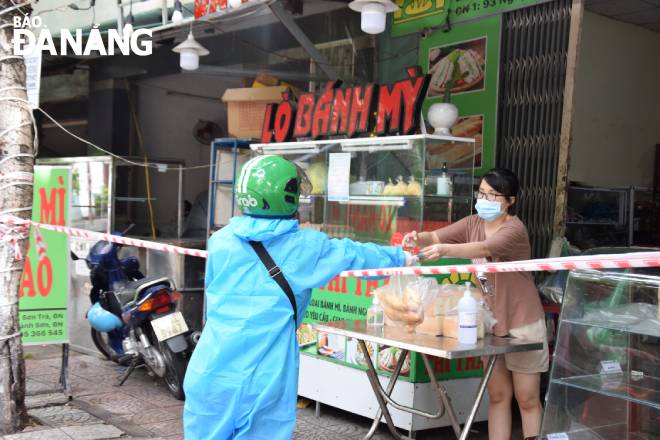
447	304
405	298
487	317
450	294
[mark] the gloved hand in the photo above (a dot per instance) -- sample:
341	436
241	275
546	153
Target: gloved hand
411	259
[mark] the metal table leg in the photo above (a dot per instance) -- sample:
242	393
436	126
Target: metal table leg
372	375
445	401
480	395
383	396
444	396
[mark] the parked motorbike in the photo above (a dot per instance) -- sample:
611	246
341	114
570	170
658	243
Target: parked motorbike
134	319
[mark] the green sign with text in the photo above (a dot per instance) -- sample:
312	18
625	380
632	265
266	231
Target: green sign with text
44	290
415	15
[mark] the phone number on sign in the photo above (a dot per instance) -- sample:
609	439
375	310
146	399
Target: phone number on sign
41	333
478	6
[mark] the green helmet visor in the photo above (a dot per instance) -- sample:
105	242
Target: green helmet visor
305	184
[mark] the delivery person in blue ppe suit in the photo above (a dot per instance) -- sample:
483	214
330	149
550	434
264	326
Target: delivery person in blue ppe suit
242	379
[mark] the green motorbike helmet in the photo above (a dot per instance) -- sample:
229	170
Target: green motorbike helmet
270	186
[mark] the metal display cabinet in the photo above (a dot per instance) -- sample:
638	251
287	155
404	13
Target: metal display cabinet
102	192
609	216
102	200
597	216
375	210
605	379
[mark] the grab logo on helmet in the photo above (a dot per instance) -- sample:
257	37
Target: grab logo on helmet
247	201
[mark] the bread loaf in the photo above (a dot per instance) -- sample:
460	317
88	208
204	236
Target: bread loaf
432	325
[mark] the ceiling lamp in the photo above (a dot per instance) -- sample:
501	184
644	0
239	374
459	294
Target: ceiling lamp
190	51
177	14
373	14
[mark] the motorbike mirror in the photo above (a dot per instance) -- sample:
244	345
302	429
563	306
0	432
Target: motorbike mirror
74	257
124	232
128	228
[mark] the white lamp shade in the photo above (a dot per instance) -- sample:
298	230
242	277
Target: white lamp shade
190	51
189	60
373	18
177	17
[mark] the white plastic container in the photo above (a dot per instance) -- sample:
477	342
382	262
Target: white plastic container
375	314
468	318
443	187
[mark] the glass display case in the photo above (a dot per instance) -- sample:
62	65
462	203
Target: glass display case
375	189
605	380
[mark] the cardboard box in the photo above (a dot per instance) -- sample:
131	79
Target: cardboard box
246	108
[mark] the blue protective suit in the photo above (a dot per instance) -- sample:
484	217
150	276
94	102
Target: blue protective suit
242	379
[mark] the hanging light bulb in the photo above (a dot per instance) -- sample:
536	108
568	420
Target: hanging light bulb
177	14
235	4
190	51
128	25
373	14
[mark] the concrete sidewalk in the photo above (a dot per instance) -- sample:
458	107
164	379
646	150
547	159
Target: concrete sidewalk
143	408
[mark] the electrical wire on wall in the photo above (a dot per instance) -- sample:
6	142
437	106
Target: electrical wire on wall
147	176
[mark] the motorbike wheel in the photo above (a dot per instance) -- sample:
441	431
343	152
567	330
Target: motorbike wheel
103	345
175	365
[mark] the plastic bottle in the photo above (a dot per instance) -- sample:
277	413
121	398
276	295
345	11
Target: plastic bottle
444	182
468	318
375	314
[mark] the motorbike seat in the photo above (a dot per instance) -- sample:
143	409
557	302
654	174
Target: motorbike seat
131	291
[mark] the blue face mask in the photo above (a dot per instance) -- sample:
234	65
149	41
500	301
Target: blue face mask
488	210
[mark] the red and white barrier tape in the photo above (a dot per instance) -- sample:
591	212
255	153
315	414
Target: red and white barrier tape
12	230
91	235
616	261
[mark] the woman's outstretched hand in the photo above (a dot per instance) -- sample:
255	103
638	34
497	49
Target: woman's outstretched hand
409	241
432	252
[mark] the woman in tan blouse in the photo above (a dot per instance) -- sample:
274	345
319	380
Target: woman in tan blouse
496	234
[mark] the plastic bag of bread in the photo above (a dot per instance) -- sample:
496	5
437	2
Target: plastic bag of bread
405	298
444	305
485	324
450	294
432	325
